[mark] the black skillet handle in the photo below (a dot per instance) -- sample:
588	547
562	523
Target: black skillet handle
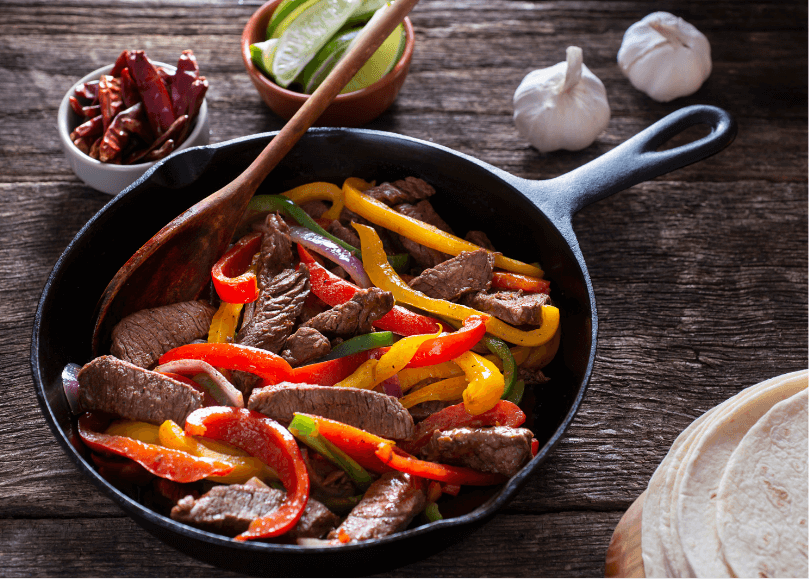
636	160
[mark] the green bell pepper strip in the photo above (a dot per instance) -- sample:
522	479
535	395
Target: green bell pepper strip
432	513
268	203
305	429
360	344
516	393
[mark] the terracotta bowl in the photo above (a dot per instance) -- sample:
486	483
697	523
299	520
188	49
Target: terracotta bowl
352	109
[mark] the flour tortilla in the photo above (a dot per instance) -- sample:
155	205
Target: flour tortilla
658	538
762	506
702	472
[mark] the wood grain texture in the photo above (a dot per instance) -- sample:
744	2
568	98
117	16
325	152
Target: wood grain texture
700	275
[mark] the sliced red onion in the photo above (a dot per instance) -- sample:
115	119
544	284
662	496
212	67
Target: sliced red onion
327	248
392	386
219	388
70	382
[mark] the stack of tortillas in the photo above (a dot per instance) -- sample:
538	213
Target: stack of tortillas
730	497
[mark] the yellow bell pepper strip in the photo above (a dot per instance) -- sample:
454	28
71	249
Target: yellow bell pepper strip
331	372
516	281
364	377
359	184
420	232
409	377
245	467
504	413
232	278
459	475
447	390
163	462
143	431
271	443
505	360
384	277
262	363
224	323
541	356
486	383
374	372
306	430
319	191
356	443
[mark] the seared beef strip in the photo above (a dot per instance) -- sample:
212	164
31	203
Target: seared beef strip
141	338
389	504
343	233
408	190
480	239
499	449
531	375
277	308
229	510
276	249
304	345
129	391
421	411
372	411
513	307
355	316
423	211
469	271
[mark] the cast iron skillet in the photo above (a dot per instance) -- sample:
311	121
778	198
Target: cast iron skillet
527	220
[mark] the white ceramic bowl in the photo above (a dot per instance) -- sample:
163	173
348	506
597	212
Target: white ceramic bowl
106	177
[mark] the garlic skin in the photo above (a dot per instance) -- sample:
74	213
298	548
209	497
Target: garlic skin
665	57
561	107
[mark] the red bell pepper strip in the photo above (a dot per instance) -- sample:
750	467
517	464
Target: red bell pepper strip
152	90
263	363
331	372
231	278
356	443
456	475
334	291
164	462
504	413
450	346
516	281
269	442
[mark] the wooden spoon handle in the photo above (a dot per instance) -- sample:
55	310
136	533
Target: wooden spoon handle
371	38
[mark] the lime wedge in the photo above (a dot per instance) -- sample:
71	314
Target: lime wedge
298	7
283	10
306	34
326	59
365	10
261	53
381	62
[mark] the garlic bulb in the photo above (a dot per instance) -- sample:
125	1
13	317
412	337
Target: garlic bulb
561	107
665	56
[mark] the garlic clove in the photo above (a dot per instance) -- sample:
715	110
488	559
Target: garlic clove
563	106
665	57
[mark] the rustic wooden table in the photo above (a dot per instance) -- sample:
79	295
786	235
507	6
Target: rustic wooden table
700	276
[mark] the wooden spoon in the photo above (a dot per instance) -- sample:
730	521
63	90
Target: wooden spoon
175	264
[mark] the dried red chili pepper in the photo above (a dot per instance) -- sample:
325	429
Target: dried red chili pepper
129	90
187	73
153	91
92	128
118	134
88	90
109	97
120	63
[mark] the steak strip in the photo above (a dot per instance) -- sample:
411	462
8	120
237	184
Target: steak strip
141	338
129	391
387	507
368	410
499	449
513	307
229	510
467	272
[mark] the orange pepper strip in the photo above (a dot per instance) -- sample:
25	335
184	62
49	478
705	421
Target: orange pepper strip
166	463
356	443
516	281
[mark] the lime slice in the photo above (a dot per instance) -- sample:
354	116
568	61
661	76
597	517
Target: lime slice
306	35
283	10
365	10
296	9
326	59
261	53
381	62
